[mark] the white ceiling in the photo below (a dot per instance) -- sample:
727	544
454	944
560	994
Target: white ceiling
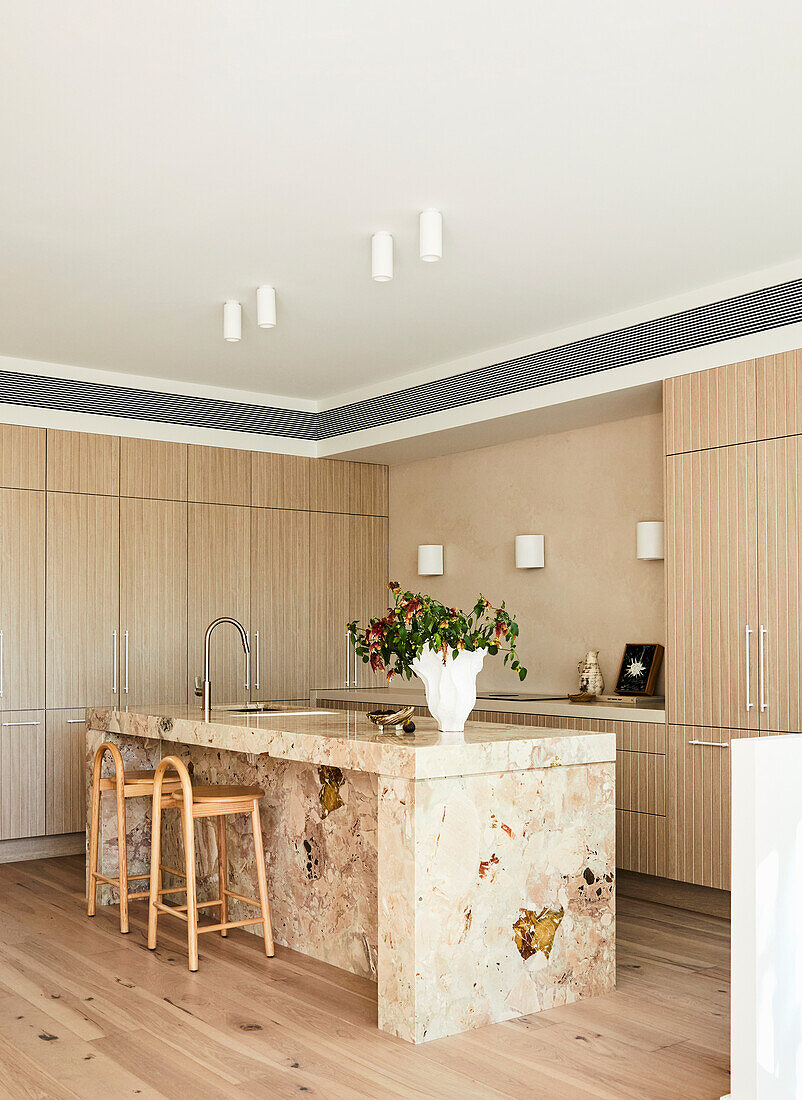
158	158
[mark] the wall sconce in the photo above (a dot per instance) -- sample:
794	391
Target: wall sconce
530	551
650	541
430	561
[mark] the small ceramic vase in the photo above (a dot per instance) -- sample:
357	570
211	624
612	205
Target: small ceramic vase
590	674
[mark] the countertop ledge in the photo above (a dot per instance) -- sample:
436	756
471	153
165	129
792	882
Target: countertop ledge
347	740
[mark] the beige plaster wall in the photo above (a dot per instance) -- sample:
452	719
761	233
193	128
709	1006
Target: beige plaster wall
585	490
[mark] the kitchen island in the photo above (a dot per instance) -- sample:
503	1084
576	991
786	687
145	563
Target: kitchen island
473	879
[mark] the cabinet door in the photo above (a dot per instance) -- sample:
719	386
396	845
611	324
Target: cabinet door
22	774
711	580
329	605
22	457
83	600
698	803
329	485
779	395
367	581
280	481
368	489
711	408
22	599
779	464
219	583
80	462
154	469
219	475
279	604
65	772
153	601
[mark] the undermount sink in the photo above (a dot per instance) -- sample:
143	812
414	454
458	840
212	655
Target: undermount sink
264	710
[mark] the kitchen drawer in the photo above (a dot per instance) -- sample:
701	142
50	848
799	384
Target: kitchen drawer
640	782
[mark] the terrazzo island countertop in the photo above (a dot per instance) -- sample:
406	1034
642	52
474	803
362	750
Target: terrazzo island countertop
474	881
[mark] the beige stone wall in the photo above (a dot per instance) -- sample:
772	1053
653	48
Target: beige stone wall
585	490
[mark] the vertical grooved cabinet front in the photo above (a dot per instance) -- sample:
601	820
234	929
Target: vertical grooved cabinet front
65	767
83	600
219	583
22	599
153	601
280	650
22	774
711	576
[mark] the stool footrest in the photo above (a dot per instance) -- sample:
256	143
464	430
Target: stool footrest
230	924
240	897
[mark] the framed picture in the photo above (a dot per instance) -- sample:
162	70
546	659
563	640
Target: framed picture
639	668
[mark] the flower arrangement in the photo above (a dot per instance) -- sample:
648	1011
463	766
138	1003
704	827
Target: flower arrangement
391	643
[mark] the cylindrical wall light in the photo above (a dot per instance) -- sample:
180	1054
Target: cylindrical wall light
266	307
650	541
530	551
381	257
430	561
431	235
232	322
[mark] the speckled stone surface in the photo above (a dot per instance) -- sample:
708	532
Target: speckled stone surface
474	881
347	740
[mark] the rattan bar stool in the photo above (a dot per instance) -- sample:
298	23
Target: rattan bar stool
132	784
195	802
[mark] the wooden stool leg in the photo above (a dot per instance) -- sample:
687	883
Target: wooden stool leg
94	830
188	829
155	875
261	878
222	870
122	853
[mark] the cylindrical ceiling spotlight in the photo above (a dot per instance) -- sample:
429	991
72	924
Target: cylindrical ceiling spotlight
232	322
266	307
381	257
431	235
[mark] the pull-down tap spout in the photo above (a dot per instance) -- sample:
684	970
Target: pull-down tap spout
207	685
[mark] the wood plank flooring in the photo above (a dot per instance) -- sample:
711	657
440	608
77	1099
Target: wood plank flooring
86	1012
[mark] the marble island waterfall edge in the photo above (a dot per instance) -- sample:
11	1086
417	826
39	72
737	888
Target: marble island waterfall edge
474	883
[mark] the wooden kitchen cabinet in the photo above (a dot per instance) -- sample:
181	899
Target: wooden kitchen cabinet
359	488
83	600
219	583
218	475
280	481
153	601
712	408
329	598
22	774
65	772
368	540
698	800
348	557
779	395
154	469
779	641
22	599
79	462
712	588
22	457
280	611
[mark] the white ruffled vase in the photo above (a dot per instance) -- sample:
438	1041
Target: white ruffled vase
450	685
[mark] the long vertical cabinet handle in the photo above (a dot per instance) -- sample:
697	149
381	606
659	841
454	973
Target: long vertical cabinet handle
1	663
347	663
256	643
114	662
749	703
125	681
763	704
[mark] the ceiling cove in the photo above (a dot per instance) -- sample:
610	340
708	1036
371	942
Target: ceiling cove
740	315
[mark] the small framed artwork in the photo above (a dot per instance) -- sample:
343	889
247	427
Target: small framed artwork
639	668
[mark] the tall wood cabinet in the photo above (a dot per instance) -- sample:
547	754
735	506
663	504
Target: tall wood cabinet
734	603
116	554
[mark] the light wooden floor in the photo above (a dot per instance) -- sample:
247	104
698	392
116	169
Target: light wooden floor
86	1012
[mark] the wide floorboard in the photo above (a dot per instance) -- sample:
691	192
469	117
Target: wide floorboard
86	1012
